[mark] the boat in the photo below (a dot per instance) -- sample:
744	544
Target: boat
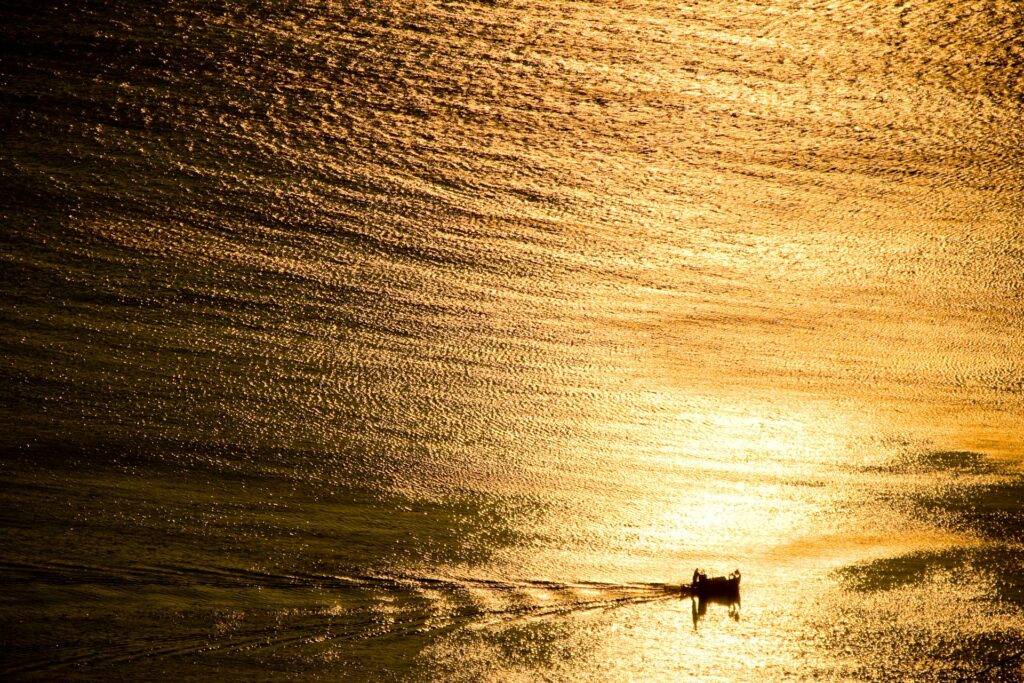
704	586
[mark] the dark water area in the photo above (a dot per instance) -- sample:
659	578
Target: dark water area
441	341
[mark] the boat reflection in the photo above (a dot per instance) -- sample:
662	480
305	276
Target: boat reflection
699	606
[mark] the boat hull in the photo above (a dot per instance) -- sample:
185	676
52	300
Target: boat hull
716	586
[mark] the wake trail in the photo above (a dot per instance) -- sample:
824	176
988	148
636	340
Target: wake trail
343	609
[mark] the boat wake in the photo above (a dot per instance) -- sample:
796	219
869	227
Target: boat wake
225	610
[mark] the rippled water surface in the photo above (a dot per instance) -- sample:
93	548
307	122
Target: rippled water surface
442	340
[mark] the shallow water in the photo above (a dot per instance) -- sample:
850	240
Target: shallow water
441	342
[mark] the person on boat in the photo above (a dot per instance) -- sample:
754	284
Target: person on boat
699	577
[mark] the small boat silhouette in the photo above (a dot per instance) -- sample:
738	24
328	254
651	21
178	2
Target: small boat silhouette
704	586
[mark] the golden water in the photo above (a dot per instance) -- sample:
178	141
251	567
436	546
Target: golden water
439	341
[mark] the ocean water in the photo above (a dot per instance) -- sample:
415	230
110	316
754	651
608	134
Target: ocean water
440	341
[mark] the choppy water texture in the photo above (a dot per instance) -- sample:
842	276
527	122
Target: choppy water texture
439	340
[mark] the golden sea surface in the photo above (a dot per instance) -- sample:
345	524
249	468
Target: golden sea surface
443	340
